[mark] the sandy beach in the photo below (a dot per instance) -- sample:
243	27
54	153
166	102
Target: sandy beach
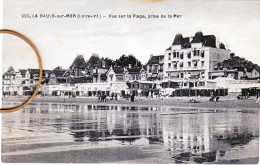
53	127
178	102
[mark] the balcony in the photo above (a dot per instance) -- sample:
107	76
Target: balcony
187	68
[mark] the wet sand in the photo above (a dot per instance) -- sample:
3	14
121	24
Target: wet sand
51	131
125	155
178	102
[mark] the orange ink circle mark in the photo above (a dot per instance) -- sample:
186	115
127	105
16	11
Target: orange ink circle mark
15	108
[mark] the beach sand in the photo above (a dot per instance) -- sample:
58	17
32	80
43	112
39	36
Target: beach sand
178	102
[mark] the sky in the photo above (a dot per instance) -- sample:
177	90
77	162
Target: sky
60	40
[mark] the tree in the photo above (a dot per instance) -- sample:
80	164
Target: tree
109	62
124	61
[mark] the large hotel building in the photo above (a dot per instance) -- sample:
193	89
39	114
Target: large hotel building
189	61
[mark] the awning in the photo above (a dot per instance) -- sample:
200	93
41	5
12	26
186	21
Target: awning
194	73
175	74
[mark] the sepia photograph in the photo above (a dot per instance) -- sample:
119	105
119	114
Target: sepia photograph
132	82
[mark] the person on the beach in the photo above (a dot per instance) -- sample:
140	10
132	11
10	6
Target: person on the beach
115	97
132	97
257	100
112	96
198	99
105	97
99	97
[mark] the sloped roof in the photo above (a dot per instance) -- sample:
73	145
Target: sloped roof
33	72
169	48
10	69
134	69
249	69
79	62
58	73
22	71
177	39
155	59
198	38
145	67
186	43
208	40
67	73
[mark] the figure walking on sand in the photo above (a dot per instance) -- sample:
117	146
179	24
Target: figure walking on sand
132	97
257	99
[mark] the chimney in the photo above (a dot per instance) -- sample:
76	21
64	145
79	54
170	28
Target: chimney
217	42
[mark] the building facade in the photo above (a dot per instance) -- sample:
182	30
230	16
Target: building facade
155	67
189	62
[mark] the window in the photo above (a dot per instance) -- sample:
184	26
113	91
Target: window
201	84
202	75
202	63
195	64
202	54
189	64
161	68
175	65
174	54
177	54
181	55
169	65
194	52
155	68
181	64
149	68
169	56
198	52
189	55
181	75
111	77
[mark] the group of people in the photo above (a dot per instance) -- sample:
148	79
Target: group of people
114	96
103	97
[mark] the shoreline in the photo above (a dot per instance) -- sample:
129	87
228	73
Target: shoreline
174	102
